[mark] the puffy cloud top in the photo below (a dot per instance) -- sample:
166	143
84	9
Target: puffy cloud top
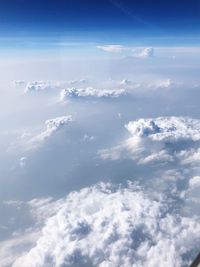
53	126
145	53
166	128
159	140
125	82
38	86
105	225
90	92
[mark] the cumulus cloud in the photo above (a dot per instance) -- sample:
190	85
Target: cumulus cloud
163	139
125	82
90	92
37	86
166	128
194	182
144	53
53	126
108	225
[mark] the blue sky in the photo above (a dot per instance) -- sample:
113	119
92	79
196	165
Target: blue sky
45	23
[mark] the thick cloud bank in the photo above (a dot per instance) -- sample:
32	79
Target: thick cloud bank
105	225
90	92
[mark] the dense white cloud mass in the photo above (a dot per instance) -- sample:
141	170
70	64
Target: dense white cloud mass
105	225
90	92
163	139
166	128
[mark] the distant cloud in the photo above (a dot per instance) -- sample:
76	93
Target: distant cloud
125	82
20	82
88	138
90	92
107	225
130	51
195	182
112	48
37	86
22	162
53	126
144	53
81	81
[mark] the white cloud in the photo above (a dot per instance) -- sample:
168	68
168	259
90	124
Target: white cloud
194	182
53	126
22	162
144	53
190	156
81	81
13	248
163	139
88	138
160	157
19	82
166	128
125	82
139	52
112	48
106	225
37	86
90	92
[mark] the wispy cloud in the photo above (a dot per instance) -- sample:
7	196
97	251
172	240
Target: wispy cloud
139	52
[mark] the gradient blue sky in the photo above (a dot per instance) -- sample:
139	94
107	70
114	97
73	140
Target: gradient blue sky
43	23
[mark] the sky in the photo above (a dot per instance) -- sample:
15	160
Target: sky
99	133
44	24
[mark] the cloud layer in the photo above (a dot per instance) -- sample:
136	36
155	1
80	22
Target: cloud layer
107	225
